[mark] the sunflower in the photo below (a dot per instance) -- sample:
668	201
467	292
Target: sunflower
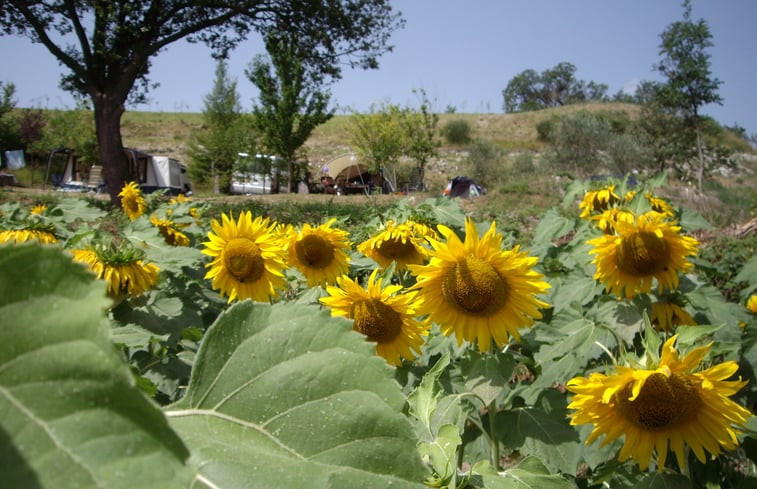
133	202
124	272
381	314
649	247
44	235
320	252
598	201
666	316
663	408
660	205
477	290
751	304
248	257
170	231
403	244
38	209
606	220
179	199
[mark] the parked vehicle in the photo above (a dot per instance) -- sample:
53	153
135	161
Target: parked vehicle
250	183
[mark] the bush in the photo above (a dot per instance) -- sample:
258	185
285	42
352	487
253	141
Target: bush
578	141
545	128
523	164
457	131
485	160
629	152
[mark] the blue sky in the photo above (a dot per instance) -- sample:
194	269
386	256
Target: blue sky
462	54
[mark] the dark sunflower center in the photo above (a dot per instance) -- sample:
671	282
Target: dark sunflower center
474	286
314	251
394	248
376	320
602	204
643	254
131	203
663	402
242	259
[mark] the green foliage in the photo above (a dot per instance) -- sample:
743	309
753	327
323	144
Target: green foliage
225	133
73	416
291	102
457	131
553	87
721	260
486	162
689	85
578	142
73	129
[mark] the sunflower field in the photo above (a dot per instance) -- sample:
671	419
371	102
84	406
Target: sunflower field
177	343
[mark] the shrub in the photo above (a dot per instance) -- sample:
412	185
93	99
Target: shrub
523	164
457	131
578	142
485	160
545	128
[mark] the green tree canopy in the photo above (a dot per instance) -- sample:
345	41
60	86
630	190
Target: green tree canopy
224	134
552	87
689	84
292	100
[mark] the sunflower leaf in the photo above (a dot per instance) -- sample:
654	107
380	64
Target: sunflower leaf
286	396
71	413
657	480
530	473
542	431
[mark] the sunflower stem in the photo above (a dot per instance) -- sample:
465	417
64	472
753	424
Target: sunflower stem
493	442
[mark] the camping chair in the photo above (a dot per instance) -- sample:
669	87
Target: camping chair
95	181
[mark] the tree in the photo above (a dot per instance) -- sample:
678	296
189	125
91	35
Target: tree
377	137
552	87
107	46
217	145
291	102
688	83
420	138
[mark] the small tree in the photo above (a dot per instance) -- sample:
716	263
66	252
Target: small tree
689	84
216	147
420	138
377	137
291	102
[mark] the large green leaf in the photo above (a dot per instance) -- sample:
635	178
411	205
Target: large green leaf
70	415
542	431
285	396
530	473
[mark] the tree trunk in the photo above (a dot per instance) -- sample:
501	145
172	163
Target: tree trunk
108	113
700	173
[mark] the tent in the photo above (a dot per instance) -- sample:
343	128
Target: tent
464	187
349	175
346	167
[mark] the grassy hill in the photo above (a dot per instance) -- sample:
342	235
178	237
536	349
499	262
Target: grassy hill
169	133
